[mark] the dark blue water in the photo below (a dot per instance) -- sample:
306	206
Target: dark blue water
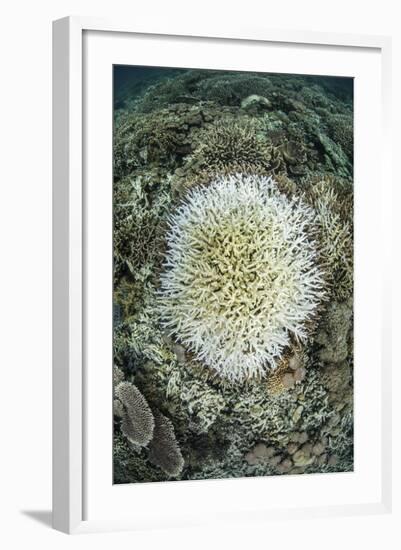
131	81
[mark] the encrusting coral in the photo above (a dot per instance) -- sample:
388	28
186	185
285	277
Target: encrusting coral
241	275
332	336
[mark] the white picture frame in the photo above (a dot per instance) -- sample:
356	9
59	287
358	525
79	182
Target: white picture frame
73	475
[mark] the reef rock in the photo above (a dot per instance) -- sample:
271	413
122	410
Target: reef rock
255	103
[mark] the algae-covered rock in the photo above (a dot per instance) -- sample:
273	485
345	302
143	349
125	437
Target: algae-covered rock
333	333
255	104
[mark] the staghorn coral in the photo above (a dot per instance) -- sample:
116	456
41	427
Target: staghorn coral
332	202
241	275
231	144
118	376
191	398
164	450
137	419
137	214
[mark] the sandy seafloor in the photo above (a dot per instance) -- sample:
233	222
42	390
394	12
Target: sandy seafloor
175	419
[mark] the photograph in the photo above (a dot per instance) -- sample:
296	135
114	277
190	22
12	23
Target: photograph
200	273
232	274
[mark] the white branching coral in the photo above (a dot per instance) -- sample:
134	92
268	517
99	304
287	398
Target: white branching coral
241	276
334	213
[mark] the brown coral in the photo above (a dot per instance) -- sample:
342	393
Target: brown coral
290	370
294	156
164	450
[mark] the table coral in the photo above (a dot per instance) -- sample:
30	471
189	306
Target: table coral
137	419
164	450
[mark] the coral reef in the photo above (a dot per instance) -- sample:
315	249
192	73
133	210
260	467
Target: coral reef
332	202
290	371
337	378
176	134
255	104
194	400
342	132
231	145
137	213
231	89
142	427
240	276
148	138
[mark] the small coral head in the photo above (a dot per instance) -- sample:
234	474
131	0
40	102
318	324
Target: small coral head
241	276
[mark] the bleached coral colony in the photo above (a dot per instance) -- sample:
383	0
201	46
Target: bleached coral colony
241	275
233	275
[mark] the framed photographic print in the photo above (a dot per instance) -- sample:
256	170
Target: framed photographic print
219	293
